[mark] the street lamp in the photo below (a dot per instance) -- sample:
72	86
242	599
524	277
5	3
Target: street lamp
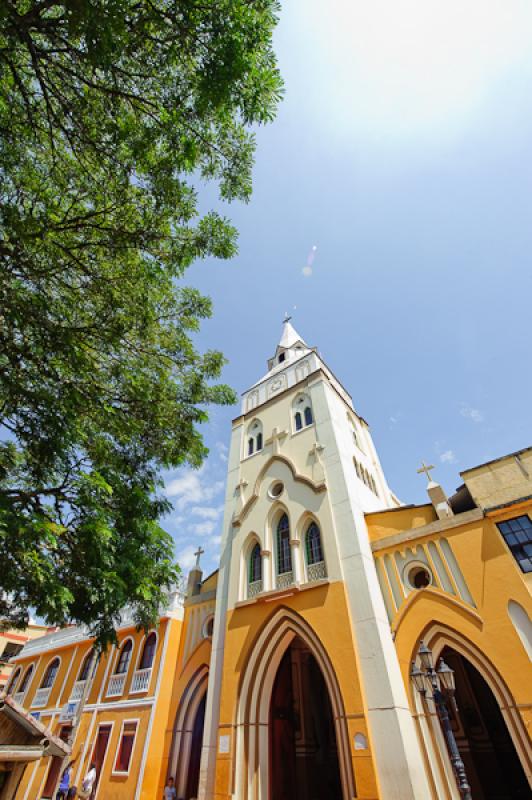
429	679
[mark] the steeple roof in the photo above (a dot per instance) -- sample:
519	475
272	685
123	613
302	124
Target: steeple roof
290	336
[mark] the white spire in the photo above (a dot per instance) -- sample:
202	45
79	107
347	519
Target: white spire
289	336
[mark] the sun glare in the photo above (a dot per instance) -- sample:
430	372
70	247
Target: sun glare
395	69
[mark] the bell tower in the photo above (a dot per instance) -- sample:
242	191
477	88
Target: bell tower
301	455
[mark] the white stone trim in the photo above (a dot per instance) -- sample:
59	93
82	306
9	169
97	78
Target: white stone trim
251	757
103	723
183	727
153	700
60	698
115	771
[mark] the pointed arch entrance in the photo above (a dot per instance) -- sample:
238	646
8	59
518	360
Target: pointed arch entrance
493	767
303	749
277	710
188	736
489	730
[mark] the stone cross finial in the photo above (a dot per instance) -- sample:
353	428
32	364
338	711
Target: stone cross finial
426	469
199	552
275	439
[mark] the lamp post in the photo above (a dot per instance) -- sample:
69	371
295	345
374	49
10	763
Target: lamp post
433	680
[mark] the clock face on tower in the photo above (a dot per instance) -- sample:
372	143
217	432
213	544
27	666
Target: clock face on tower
277	384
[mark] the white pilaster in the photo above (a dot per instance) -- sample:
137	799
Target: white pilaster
398	761
212	711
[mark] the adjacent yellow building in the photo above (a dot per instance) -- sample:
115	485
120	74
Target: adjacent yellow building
286	674
11	643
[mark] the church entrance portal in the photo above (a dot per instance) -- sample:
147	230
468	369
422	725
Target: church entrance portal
195	752
303	748
492	764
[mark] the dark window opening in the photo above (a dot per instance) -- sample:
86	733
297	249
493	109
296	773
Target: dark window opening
148	654
517	534
124	659
313	543
284	556
255	565
49	675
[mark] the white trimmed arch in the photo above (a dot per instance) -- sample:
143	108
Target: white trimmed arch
438	636
253	707
251	540
184	726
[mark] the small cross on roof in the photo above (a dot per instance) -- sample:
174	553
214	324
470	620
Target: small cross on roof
199	552
426	469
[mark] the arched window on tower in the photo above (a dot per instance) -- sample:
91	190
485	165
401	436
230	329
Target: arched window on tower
255	571
314	553
254	437
285	575
303	416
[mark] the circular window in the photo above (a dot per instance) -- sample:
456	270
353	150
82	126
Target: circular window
276	489
419	577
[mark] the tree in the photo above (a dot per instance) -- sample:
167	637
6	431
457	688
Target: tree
112	113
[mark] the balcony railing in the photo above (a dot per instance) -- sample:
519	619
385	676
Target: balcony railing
77	691
254	588
18	697
41	697
141	680
316	572
116	685
285	580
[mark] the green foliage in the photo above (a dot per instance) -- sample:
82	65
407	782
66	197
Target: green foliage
111	114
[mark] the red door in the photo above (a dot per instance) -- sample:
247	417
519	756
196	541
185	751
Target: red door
98	754
55	765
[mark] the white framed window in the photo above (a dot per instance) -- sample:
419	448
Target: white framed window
302	413
126	747
13	680
254	438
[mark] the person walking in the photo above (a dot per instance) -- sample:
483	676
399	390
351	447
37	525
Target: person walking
62	792
88	782
169	790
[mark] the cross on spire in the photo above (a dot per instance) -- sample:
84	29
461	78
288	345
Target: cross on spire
287	317
426	469
199	552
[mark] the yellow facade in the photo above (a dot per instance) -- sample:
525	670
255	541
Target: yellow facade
11	642
137	697
286	675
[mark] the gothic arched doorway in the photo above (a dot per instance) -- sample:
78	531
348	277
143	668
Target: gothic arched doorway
493	767
195	751
303	751
188	737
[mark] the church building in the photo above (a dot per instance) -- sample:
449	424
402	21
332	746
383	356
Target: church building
349	646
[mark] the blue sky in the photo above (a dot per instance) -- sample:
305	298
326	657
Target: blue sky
403	153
